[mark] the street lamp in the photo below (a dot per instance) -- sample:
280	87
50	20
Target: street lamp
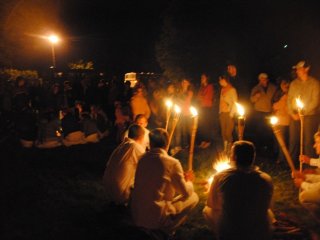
53	39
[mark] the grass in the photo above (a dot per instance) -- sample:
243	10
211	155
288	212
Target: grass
57	194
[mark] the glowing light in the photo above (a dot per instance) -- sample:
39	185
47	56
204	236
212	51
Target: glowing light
274	120
53	39
222	165
193	111
285	46
169	104
210	179
240	110
177	109
299	103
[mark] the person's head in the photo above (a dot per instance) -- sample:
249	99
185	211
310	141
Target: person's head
136	132
317	142
263	79
171	89
284	85
204	79
224	81
232	70
159	138
243	154
185	84
302	69
141	120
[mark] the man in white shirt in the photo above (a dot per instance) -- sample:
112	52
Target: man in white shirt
309	184
142	121
119	173
163	196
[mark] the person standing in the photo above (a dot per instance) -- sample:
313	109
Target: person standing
239	200
163	195
139	103
280	110
261	98
307	89
227	110
205	99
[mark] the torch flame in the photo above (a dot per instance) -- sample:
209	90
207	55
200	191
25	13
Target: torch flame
240	109
299	103
177	109
273	120
210	180
221	165
193	111
169	104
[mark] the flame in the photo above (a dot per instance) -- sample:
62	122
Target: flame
210	180
177	109
240	110
273	120
299	103
193	111
221	165
169	104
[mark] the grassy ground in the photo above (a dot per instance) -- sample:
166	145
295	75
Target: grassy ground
57	194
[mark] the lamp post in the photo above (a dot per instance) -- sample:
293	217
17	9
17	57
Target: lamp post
53	39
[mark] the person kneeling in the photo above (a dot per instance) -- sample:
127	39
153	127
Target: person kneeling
119	173
163	196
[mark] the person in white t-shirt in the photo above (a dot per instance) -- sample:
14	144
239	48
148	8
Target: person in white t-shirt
120	170
163	195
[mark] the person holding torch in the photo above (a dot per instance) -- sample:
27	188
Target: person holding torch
307	90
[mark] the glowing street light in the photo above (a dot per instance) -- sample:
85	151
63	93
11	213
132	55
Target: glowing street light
53	39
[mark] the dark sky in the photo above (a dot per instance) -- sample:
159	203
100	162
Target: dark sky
120	36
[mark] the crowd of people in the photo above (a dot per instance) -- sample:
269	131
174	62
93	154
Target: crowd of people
146	178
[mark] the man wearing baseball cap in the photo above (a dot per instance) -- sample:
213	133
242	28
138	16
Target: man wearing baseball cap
306	88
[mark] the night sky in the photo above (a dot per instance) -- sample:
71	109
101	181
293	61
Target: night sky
120	36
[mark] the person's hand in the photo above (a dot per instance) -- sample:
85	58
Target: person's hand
304	159
298	182
297	174
189	175
257	95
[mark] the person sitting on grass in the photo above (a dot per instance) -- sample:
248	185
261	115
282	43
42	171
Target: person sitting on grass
71	129
119	173
142	121
163	195
309	182
239	200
